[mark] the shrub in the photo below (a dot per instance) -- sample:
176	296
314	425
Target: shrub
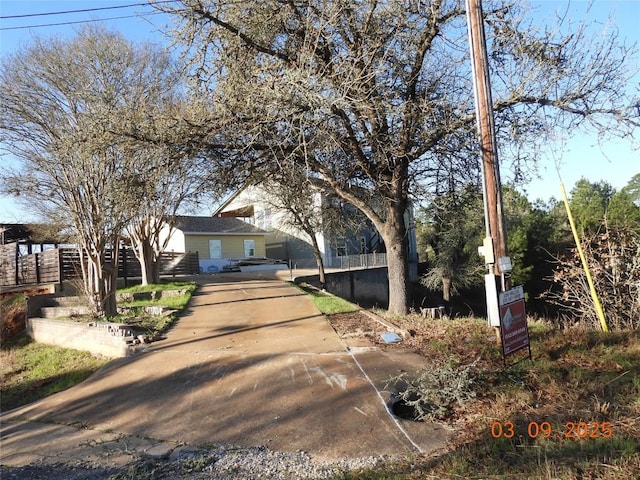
614	261
435	391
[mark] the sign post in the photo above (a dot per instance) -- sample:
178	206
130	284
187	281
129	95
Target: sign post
513	322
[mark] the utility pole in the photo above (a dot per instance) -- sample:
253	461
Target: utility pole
494	248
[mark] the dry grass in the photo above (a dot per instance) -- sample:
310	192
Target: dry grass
575	375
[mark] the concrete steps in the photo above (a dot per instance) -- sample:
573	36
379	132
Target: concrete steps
51	320
63	307
66	301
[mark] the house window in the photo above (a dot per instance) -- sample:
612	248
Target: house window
363	245
249	248
215	248
341	246
263	219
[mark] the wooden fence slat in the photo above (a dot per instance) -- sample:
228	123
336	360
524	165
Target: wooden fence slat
57	265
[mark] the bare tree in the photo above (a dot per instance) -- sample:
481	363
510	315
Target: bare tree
62	104
612	255
381	93
310	206
293	193
167	181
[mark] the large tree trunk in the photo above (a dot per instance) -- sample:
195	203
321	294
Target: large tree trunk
144	236
394	235
109	304
101	283
320	264
155	267
146	257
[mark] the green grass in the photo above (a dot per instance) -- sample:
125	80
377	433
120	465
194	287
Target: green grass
178	302
31	371
156	324
12	300
328	304
163	285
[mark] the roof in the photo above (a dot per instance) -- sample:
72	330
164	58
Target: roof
219	225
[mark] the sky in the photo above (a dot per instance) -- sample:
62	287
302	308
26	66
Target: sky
580	156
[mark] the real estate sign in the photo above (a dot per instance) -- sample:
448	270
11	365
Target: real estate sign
513	321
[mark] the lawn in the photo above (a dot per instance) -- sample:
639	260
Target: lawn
165	285
30	371
155	325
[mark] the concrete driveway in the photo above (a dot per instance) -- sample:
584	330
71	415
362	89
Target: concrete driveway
251	362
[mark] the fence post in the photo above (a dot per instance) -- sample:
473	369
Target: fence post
17	262
60	275
125	265
37	266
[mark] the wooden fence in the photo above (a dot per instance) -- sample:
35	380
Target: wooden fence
57	265
37	268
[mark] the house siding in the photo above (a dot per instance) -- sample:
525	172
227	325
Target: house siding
232	246
280	226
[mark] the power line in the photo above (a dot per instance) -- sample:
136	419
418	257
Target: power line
82	10
74	22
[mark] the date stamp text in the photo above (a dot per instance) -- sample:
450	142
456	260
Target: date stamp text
573	430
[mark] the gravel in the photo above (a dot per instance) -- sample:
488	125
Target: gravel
217	462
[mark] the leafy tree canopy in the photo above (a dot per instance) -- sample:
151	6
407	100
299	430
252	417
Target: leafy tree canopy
377	96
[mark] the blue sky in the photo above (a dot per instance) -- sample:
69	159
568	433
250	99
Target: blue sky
576	157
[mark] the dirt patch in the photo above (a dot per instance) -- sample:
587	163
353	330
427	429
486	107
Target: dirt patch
354	324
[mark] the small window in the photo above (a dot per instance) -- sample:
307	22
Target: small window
249	248
363	245
215	248
341	246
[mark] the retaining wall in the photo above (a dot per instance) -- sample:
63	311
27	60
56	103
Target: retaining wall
367	287
102	338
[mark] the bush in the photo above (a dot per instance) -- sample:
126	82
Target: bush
614	261
435	391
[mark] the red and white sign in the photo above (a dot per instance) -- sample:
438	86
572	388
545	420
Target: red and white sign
513	321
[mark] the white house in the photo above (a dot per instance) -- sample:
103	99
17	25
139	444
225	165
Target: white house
219	241
284	241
